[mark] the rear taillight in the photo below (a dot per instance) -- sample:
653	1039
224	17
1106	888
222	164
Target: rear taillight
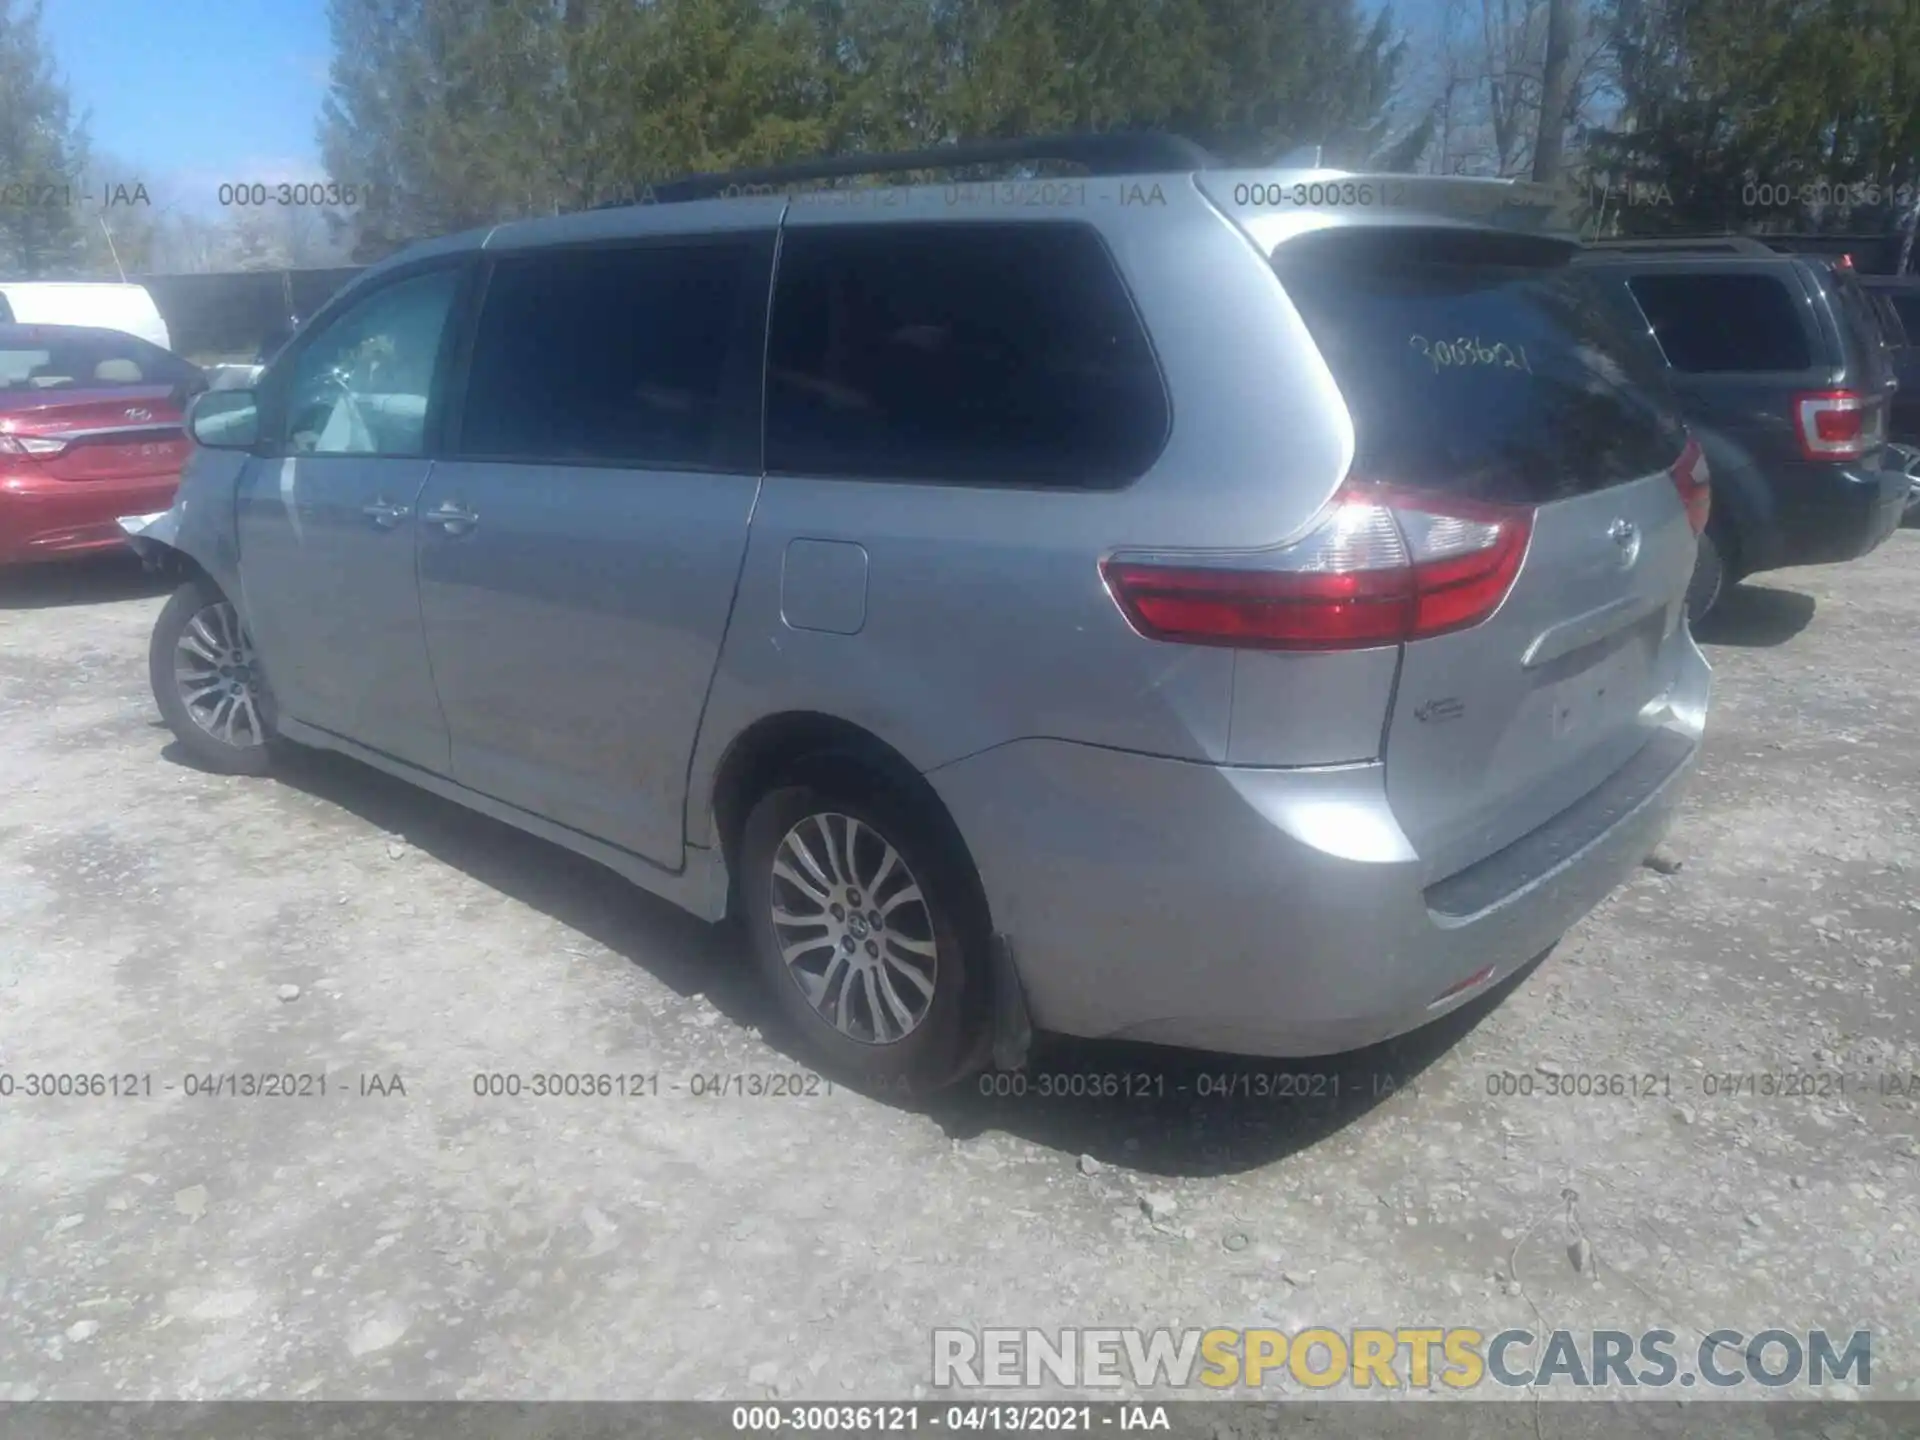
33	446
1837	424
1381	566
1691	479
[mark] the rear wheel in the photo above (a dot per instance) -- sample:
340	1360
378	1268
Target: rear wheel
1710	577
867	929
208	683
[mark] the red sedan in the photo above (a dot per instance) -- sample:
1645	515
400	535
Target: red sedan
90	430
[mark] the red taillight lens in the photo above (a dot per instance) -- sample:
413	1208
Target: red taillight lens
1382	566
1692	479
1836	424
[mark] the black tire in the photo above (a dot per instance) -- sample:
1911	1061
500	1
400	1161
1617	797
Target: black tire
941	1046
254	748
1710	578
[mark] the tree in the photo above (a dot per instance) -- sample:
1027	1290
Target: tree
465	112
1556	89
43	153
1486	79
1767	113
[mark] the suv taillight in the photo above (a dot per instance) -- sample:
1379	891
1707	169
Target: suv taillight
1692	479
1382	565
1837	424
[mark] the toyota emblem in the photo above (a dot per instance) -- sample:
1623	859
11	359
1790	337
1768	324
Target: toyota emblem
135	412
1626	535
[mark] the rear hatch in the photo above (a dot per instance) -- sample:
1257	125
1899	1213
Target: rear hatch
1478	368
119	433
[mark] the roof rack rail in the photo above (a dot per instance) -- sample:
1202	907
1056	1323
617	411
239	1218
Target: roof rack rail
1697	244
1116	152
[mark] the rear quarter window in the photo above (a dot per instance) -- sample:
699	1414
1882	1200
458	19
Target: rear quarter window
1710	323
965	354
1480	365
1891	323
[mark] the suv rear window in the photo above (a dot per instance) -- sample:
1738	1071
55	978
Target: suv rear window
1480	365
1711	322
959	353
1907	307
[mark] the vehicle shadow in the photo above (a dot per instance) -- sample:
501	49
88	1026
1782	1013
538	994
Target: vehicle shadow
94	580
1148	1108
1756	616
684	953
1162	1111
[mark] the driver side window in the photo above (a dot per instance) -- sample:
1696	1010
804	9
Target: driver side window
362	386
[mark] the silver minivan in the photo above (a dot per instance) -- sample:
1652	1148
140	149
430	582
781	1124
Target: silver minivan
1230	609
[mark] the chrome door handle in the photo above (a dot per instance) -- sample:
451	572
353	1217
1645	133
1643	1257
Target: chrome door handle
451	517
385	513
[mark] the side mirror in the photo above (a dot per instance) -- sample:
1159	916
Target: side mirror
224	419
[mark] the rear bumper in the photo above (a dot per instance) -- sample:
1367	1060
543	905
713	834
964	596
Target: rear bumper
1830	513
1279	912
45	519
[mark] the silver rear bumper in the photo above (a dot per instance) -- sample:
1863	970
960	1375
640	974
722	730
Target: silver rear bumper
1279	911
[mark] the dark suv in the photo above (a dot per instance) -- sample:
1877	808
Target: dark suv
1781	369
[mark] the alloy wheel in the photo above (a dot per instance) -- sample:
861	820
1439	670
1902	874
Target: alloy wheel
218	677
854	928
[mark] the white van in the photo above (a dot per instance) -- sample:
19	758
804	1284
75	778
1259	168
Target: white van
102	304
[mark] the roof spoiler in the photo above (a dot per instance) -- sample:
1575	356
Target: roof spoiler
1307	197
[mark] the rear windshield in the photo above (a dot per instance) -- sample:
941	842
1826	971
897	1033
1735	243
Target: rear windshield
1907	307
69	357
1480	365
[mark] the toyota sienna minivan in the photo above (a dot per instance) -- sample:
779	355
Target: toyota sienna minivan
1230	609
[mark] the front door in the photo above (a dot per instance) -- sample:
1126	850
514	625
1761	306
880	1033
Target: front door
581	544
326	525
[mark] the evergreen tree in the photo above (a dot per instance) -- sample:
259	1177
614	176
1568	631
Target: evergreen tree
43	154
465	112
1732	104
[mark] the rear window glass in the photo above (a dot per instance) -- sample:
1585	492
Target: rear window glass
1907	307
1890	321
1479	365
1858	306
55	357
1724	322
960	353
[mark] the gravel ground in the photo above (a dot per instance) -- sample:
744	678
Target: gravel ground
403	1237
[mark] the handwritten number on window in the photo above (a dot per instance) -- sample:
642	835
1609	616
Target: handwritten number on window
1469	350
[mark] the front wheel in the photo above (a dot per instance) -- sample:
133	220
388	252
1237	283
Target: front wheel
867	931
208	683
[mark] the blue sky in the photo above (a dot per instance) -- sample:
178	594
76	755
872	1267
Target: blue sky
188	95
